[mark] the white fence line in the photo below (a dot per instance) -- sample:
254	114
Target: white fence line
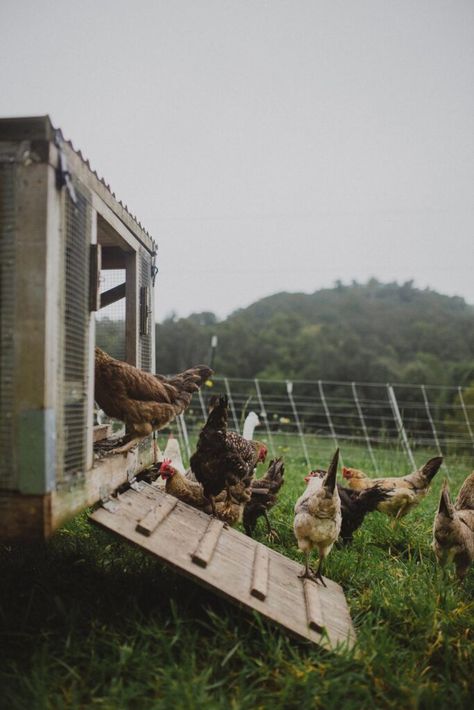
407	418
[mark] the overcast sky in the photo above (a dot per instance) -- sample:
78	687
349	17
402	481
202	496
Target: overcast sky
266	145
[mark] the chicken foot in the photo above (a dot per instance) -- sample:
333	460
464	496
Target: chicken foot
129	446
400	514
308	573
272	534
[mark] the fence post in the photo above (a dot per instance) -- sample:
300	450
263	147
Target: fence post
231	403
466	416
263	414
203	406
289	389
184	431
399	423
364	428
430	419
328	417
182	445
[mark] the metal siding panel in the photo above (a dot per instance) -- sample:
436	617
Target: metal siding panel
76	340
7	323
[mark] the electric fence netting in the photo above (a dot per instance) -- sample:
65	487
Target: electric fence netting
312	418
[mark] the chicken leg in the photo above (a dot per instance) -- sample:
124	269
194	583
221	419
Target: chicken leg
308	573
318	575
272	534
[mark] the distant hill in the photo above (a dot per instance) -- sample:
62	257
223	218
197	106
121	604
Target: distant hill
370	332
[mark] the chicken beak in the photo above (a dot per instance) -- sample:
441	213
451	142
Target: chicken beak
445	507
330	479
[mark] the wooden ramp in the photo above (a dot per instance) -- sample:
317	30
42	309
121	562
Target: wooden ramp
230	563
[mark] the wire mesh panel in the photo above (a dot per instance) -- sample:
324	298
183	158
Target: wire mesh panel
7	322
145	327
75	345
110	323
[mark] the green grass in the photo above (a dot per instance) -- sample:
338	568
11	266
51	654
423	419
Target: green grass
89	621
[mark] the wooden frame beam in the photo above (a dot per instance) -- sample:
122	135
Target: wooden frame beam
113	258
131	309
112	295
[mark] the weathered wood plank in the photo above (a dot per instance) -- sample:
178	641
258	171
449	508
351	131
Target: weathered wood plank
112	295
261	563
112	257
231	568
314	612
155	516
102	432
207	544
24	517
131	309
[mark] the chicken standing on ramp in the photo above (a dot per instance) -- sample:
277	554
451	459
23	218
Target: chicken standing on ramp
317	521
223	458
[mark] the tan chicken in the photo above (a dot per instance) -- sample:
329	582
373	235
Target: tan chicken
177	485
318	518
404	491
145	402
453	528
191	492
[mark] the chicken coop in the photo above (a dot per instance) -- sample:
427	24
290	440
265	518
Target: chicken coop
76	270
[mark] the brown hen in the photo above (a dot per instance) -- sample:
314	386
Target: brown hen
145	402
223	458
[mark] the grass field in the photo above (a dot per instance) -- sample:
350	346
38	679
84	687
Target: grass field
88	621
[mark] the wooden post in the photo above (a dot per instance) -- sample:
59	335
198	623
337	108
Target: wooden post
131	308
328	416
91	342
400	427
38	287
289	391
263	414
364	427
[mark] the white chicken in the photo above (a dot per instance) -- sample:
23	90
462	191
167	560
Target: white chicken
251	421
318	518
172	453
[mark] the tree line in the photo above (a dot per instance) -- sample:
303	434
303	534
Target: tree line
371	332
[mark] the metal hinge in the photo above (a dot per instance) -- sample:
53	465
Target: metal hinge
63	175
154	268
